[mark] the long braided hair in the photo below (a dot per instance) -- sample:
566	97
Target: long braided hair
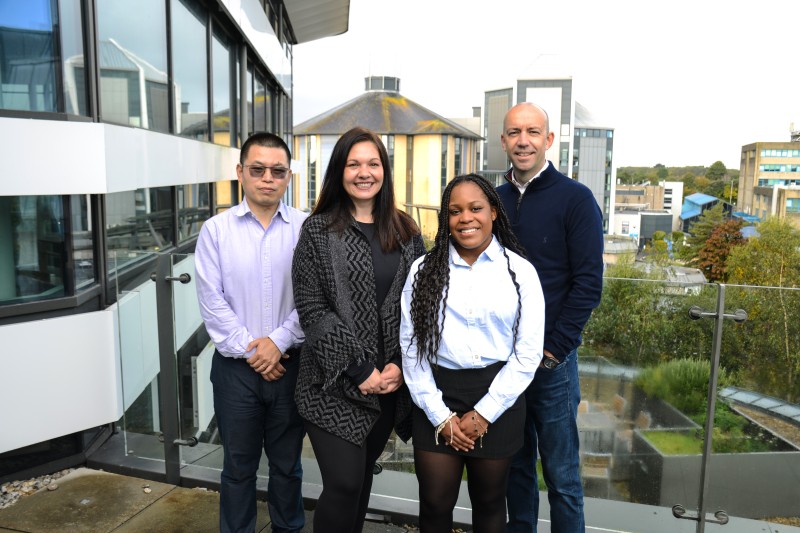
432	280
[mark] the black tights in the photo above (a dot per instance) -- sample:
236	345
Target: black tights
346	471
439	478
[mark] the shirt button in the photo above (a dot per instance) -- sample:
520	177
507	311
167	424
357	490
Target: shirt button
476	358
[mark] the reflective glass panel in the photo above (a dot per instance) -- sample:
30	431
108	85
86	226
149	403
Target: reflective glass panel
133	63
139	220
82	241
32	252
221	57
260	104
27	60
190	62
250	117
194	208
72	53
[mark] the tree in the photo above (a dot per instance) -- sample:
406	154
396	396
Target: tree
717	171
688	184
701	230
713	254
702	183
769	268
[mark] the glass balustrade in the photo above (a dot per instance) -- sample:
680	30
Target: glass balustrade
644	367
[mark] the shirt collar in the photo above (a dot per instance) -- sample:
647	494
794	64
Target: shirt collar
243	208
523	186
491	253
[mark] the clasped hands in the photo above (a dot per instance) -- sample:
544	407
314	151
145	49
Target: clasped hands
382	382
466	430
267	359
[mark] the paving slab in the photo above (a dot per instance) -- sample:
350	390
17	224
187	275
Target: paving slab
89	501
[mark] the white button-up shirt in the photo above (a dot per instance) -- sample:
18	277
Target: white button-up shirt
478	330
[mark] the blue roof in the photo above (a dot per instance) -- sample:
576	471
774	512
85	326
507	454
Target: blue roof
749	231
744	216
701	199
690	213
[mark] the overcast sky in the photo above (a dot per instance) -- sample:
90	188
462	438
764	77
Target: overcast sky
681	82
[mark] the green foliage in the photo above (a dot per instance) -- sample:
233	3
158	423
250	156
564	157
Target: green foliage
659	235
712	180
674	443
683	383
713	254
716	171
701	230
772	330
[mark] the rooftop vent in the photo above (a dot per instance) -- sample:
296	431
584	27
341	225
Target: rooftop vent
382	83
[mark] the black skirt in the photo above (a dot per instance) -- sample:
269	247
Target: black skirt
461	390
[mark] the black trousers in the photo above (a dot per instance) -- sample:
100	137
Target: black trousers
254	415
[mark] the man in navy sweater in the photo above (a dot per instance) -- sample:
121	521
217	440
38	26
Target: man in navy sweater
560	225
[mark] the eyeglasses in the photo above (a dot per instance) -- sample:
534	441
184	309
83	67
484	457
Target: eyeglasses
278	173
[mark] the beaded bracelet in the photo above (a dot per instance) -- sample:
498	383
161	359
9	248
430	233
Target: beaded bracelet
484	430
440	427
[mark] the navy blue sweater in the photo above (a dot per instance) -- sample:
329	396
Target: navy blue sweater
560	225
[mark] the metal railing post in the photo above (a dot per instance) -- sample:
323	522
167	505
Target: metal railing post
696	313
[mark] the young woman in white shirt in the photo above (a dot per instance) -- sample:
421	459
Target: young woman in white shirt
471	335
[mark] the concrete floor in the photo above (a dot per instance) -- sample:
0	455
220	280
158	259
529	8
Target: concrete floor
93	501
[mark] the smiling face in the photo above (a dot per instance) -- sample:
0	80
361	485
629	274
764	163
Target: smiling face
363	173
525	139
470	220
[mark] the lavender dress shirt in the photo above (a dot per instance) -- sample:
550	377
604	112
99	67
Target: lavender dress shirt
244	279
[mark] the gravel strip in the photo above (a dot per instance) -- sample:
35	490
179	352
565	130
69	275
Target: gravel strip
12	491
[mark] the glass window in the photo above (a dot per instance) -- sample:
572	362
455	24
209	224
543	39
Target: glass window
194	208
444	161
27	56
312	171
457	156
32	251
260	103
133	63
251	119
137	221
226	195
190	63
222	79
72	53
82	240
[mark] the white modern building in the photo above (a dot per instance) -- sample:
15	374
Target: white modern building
121	122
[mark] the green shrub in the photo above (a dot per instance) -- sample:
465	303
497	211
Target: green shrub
683	383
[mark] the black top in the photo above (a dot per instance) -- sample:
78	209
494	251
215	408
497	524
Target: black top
385	265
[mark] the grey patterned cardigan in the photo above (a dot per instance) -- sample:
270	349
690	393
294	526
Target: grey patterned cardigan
334	293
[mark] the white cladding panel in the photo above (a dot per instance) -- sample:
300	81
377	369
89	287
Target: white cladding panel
58	376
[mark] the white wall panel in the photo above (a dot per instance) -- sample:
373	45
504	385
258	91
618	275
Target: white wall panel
187	309
68	159
90	158
58	376
138	339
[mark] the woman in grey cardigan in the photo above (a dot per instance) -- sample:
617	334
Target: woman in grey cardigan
349	268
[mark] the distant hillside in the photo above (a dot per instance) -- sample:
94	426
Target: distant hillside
715	180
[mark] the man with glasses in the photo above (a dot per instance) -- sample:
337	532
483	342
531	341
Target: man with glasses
244	285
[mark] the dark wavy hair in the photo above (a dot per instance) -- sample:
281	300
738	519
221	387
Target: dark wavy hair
392	226
432	280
